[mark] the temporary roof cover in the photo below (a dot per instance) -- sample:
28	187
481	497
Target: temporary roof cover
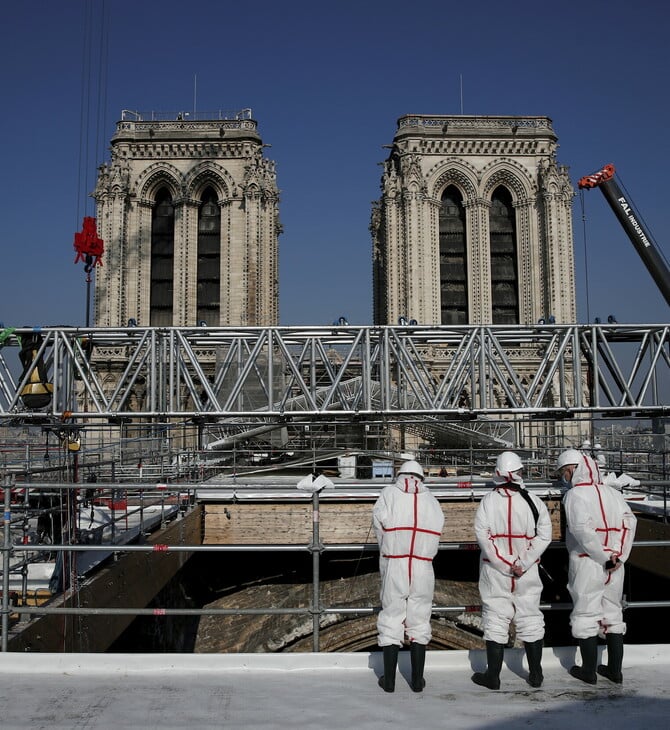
323	690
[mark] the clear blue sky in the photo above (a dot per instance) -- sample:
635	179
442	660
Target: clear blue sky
326	83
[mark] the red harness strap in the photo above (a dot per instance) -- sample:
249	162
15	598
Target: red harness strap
510	534
414	529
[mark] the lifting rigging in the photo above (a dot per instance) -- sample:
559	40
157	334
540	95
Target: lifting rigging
37	390
87	244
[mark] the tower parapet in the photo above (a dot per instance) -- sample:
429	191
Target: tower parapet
474	225
188	209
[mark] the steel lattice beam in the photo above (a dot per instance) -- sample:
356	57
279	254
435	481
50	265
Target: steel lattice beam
268	374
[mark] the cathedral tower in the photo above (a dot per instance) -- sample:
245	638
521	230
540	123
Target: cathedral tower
474	225
188	210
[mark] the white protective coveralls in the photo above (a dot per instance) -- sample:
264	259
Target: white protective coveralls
618	482
610	478
507	536
599	525
408	522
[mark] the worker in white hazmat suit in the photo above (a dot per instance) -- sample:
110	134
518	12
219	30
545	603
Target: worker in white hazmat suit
513	529
619	481
408	522
599	456
600	533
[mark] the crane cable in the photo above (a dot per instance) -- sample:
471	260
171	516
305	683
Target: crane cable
94	63
103	68
586	258
93	82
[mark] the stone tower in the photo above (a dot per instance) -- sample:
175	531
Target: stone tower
474	225
188	211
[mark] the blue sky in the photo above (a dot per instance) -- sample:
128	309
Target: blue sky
326	83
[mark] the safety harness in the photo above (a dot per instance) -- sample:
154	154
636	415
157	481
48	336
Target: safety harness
529	501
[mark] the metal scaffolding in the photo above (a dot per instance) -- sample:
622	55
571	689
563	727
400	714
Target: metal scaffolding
280	374
316	609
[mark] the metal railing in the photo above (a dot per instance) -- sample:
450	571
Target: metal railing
128	115
315	609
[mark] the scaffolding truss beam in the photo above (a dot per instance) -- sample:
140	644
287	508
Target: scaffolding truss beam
268	375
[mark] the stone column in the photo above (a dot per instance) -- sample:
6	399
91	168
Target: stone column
432	299
528	262
479	260
141	234
226	273
186	265
252	208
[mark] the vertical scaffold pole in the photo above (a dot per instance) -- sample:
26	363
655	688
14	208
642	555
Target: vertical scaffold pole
315	547
6	548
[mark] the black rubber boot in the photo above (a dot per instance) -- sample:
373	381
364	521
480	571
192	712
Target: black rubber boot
387	680
589	651
417	653
614	659
494	660
534	657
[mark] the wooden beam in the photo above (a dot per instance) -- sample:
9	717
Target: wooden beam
290	523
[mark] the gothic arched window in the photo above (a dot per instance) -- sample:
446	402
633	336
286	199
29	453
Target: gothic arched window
504	275
453	258
162	260
209	259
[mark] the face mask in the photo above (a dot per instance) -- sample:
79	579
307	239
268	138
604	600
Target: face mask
516	478
565	478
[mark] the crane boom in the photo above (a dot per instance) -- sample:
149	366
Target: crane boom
624	211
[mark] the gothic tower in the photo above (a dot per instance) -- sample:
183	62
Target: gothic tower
474	225
188	210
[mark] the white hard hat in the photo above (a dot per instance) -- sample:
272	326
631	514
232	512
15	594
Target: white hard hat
586	444
508	462
411	467
570	456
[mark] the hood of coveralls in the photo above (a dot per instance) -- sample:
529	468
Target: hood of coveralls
409	483
587	472
513	479
508	470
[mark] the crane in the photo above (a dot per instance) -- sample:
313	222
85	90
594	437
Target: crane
624	211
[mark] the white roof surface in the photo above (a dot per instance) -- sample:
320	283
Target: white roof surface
323	691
